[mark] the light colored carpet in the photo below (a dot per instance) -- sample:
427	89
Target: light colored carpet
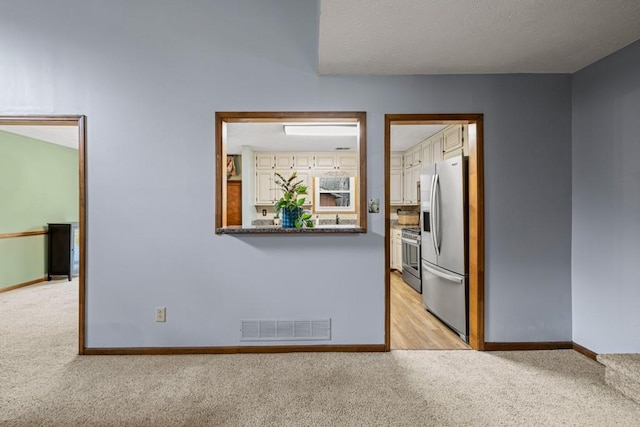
622	372
43	382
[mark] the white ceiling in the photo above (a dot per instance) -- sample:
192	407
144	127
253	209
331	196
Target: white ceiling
471	36
271	137
66	136
404	137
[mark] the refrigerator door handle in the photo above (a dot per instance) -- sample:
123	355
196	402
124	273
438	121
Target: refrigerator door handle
435	214
441	274
432	212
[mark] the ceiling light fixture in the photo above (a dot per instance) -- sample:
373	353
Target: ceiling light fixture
321	130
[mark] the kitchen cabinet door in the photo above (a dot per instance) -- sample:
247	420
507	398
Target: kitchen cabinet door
265	161
398	253
347	161
410	183
325	161
452	138
395	183
396	249
453	153
436	148
336	161
416	179
284	161
392	252
416	155
408	159
302	161
234	202
265	187
396	160
427	156
305	176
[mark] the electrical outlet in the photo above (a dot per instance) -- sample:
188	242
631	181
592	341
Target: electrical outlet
161	314
264	212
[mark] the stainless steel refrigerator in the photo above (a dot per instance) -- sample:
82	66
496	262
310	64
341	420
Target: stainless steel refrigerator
444	225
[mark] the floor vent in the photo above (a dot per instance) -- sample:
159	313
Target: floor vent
285	330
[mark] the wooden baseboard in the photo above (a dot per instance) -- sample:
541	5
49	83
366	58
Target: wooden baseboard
234	350
524	346
585	352
22	285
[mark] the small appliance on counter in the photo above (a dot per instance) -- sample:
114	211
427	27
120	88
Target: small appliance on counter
408	217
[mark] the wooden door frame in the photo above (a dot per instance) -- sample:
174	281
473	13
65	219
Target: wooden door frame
476	217
80	122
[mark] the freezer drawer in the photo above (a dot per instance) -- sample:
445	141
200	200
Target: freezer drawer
445	295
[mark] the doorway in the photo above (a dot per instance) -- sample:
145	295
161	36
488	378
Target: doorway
58	129
407	323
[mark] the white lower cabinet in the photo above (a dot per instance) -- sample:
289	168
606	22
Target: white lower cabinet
396	249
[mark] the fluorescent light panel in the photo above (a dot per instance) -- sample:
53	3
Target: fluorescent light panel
321	130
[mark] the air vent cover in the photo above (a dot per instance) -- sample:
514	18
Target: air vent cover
285	330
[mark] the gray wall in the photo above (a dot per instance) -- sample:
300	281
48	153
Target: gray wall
151	74
606	204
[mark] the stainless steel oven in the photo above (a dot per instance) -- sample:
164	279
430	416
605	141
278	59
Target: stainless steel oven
411	269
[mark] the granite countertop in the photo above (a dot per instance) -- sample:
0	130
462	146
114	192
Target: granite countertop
394	224
277	229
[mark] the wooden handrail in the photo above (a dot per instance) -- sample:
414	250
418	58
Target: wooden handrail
23	234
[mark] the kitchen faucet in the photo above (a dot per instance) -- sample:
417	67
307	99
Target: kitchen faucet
337	219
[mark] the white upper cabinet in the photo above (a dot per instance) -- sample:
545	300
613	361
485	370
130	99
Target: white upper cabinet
416	156
396	160
347	161
413	157
410	185
427	154
274	161
265	187
284	161
305	176
436	147
325	161
265	161
396	196
302	160
268	192
303	163
336	161
453	138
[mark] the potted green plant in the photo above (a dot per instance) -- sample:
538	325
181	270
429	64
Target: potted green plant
289	207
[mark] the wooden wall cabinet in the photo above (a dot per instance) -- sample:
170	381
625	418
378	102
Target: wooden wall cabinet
234	202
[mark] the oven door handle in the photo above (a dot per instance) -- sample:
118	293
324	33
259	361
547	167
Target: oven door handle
410	241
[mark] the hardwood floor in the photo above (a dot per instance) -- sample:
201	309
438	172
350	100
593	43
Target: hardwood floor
413	327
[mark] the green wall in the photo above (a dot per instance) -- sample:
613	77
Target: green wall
38	184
